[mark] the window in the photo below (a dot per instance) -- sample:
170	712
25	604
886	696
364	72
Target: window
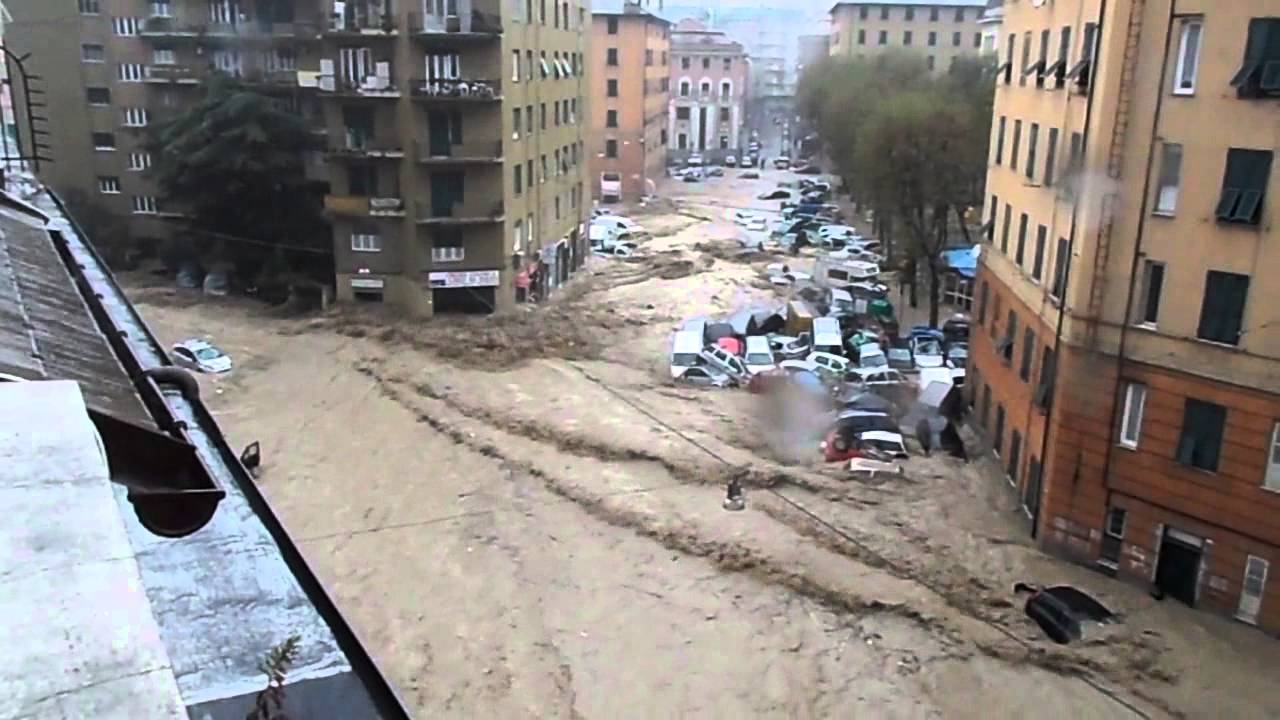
1022	240
728	64
664	84
933	37
977	40
1152	285
1017	143
366	242
130	72
528	65
528	172
1044	389
1010	335
1201	440
1112	537
611	148
1028	354
612	88
726	89
1081	70
933	14
1244	185
991	221
543	162
863	12
161	8
724	114
1004	232
706	63
163	56
705	88
995	316
89	7
139	161
1058	70
528	120
1051	157
1135	399
1015	457
611	56
1000	128
556	112
724	142
682	141
104	141
684	88
648	57
884	13
956	39
135	117
984	296
862	37
515	66
682	113
1007	65
1222	312
911	13
1184	75
125	26
98	95
515	123
997	438
93	53
611	118
684	62
906	36
1037	264
108	185
1033	139
1044	57
960	14
517	179
1271	480
1170	178
985	418
1259	74
542	116
557	207
1026	58
884	36
144	205
930	62
1060	269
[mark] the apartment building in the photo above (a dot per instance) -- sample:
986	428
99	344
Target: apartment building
708	93
989	25
452	128
941	30
1125	362
630	70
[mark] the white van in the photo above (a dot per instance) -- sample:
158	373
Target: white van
610	187
620	224
759	354
833	272
685	348
827	337
841	302
697	326
601	235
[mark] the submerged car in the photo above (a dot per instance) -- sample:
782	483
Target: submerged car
200	356
749	175
776	194
706	376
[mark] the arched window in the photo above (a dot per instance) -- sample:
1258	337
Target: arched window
726	89
706	87
684	88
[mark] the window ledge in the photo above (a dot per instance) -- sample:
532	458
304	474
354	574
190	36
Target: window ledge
1164	213
1272	490
1146	326
1181	92
1218	344
1126	446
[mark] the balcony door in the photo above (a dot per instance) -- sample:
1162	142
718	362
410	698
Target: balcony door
446	191
444	130
355	65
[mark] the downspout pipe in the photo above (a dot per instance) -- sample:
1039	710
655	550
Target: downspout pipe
1066	274
1138	254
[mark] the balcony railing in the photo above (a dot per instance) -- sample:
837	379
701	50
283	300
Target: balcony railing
361	145
358	23
181	74
274	78
360	205
475	24
463	90
173	28
372	86
465	154
462	214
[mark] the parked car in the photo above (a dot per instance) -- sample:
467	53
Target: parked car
714	171
809	170
782	163
775	194
707	376
927	352
200	356
749	175
730	161
695	160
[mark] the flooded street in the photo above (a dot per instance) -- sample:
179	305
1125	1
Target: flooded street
524	519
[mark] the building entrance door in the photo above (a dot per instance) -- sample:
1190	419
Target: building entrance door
1178	571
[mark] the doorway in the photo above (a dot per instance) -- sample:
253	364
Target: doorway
1178	570
439	139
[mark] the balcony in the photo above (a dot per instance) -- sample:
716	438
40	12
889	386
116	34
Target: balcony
472	90
374	86
178	74
354	144
473	26
477	153
363	21
272	78
170	28
361	206
479	212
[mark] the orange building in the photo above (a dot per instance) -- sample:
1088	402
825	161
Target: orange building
1125	362
630	87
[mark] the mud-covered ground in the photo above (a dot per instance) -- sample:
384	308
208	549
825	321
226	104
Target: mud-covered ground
522	517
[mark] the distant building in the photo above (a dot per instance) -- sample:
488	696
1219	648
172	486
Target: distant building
630	63
940	30
990	24
1125	353
708	90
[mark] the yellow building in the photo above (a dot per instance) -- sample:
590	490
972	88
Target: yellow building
941	30
1126	349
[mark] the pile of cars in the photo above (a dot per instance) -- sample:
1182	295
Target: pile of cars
614	235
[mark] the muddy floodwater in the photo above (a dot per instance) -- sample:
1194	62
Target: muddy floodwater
522	518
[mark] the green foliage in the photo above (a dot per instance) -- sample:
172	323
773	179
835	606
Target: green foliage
234	164
910	144
269	704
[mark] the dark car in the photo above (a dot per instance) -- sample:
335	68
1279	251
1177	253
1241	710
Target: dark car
715	172
779	194
692	177
809	170
750	175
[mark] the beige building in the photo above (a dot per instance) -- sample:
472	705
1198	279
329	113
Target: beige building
454	130
709	89
630	55
1126	348
941	30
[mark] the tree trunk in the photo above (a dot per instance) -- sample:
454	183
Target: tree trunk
935	298
912	274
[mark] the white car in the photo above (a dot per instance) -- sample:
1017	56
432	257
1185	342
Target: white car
705	375
928	353
842	232
875	376
758	224
791	348
827	362
619	224
622	249
200	356
889	443
872	356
